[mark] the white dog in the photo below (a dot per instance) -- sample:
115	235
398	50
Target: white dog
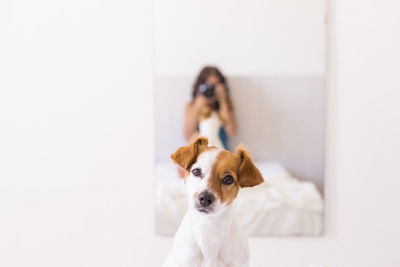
210	123
208	234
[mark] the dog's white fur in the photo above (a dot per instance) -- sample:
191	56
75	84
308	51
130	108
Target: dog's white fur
211	239
210	127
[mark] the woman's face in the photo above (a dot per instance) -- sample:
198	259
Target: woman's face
212	79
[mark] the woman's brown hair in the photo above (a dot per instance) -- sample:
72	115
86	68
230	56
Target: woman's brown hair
202	78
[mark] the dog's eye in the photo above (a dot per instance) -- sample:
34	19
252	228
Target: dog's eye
196	172
227	180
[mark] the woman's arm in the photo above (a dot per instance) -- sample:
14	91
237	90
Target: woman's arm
190	123
191	118
226	110
228	116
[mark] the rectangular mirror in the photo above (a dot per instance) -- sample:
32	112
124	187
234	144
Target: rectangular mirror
259	64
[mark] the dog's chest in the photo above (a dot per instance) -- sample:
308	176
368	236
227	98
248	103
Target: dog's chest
211	236
210	128
210	125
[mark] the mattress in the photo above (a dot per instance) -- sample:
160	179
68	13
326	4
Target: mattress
282	205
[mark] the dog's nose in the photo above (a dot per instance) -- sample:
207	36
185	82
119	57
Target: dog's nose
206	199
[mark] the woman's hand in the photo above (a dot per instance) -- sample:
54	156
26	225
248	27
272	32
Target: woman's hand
220	91
199	102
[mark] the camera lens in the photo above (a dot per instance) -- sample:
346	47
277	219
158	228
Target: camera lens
207	90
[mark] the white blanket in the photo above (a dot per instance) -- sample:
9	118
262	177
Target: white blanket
282	205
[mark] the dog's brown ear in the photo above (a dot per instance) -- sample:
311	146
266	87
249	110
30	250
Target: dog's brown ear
248	175
187	155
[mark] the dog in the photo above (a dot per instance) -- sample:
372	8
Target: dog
210	123
209	235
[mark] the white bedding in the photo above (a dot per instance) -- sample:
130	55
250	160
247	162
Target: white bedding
282	205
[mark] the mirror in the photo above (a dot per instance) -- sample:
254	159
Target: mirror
268	58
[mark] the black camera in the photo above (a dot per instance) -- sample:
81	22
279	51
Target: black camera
208	90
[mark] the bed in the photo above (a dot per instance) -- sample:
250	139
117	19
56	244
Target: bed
282	205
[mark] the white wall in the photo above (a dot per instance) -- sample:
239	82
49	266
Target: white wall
253	37
76	139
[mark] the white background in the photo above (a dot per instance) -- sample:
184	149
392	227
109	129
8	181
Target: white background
254	37
76	138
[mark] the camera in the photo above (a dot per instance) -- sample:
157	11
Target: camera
208	90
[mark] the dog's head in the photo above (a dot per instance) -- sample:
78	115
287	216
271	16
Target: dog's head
214	176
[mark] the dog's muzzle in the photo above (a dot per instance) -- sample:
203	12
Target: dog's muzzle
205	199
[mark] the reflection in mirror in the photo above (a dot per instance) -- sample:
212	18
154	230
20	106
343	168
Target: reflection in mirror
249	72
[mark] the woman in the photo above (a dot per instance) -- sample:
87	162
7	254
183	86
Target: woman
219	101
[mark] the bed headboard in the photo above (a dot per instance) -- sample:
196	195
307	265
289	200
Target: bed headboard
279	118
